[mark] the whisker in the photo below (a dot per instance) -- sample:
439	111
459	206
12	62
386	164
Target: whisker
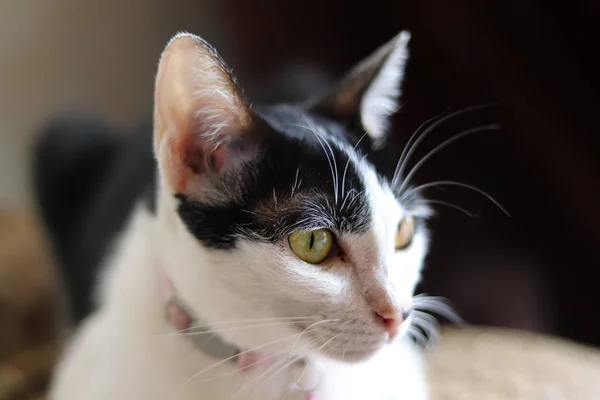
298	335
280	366
423	315
308	330
204	370
460	184
408	145
447	204
290	361
433	126
312	341
296	185
421	295
346	167
235	328
447	313
306	366
438	306
212	324
419	337
439	147
236	371
249	212
331	160
333	177
327	342
429	325
336	177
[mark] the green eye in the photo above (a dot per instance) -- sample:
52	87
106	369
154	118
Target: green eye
311	246
404	236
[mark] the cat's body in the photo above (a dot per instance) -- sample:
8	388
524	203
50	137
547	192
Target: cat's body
237	193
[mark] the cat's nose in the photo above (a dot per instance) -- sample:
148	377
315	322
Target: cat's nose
392	319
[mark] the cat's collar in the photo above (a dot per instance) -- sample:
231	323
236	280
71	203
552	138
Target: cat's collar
184	321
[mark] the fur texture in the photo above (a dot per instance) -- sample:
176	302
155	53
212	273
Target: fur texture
234	182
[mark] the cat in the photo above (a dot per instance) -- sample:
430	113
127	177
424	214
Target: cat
271	260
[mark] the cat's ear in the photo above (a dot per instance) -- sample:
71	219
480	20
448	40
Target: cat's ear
371	91
203	126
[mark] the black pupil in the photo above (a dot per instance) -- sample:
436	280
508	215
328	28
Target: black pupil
312	240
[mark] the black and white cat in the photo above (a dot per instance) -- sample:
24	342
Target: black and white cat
274	263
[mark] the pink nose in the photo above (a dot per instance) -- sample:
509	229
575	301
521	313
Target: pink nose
392	320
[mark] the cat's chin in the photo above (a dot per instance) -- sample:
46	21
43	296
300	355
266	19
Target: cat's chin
342	347
351	354
355	356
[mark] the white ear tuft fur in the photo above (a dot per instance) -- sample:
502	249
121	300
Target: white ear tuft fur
381	97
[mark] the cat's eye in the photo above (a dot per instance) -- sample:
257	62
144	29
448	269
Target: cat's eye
311	246
405	232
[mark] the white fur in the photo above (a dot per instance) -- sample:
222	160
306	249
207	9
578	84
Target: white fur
381	98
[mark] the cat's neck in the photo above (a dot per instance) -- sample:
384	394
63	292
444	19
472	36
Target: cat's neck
137	281
128	280
182	319
136	272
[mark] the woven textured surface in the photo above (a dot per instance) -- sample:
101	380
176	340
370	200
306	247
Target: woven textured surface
498	364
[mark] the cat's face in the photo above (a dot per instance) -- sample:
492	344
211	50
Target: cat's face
273	215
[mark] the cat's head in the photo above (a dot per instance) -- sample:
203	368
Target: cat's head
274	215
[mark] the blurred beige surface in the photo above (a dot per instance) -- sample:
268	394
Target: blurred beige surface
498	364
97	55
32	307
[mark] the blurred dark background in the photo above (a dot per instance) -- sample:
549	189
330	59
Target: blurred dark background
536	60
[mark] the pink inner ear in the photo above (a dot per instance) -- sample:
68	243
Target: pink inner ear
219	158
202	157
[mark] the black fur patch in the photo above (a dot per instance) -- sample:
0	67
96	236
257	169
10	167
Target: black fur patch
289	187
